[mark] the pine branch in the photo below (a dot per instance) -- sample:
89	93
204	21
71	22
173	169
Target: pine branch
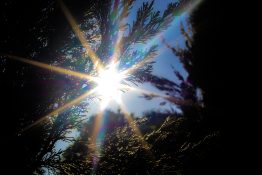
150	23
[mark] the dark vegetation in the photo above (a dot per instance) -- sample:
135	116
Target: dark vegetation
191	142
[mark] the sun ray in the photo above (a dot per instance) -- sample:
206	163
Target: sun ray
96	128
62	108
175	100
130	120
80	35
96	139
134	127
120	33
51	68
117	51
132	123
143	91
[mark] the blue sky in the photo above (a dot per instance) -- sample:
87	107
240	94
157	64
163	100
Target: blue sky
164	61
163	66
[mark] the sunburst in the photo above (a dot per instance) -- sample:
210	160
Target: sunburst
108	83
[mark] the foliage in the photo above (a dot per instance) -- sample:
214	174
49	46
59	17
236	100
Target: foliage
170	143
124	152
105	20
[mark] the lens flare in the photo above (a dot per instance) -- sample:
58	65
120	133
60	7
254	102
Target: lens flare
109	84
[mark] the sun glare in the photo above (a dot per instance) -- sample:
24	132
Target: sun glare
108	85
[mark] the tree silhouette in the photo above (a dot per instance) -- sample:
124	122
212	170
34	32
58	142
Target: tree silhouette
177	143
203	119
102	28
186	143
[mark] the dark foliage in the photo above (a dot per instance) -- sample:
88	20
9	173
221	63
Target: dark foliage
171	143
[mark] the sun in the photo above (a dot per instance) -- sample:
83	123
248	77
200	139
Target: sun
108	84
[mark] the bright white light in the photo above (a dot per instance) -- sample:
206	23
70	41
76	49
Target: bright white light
108	85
